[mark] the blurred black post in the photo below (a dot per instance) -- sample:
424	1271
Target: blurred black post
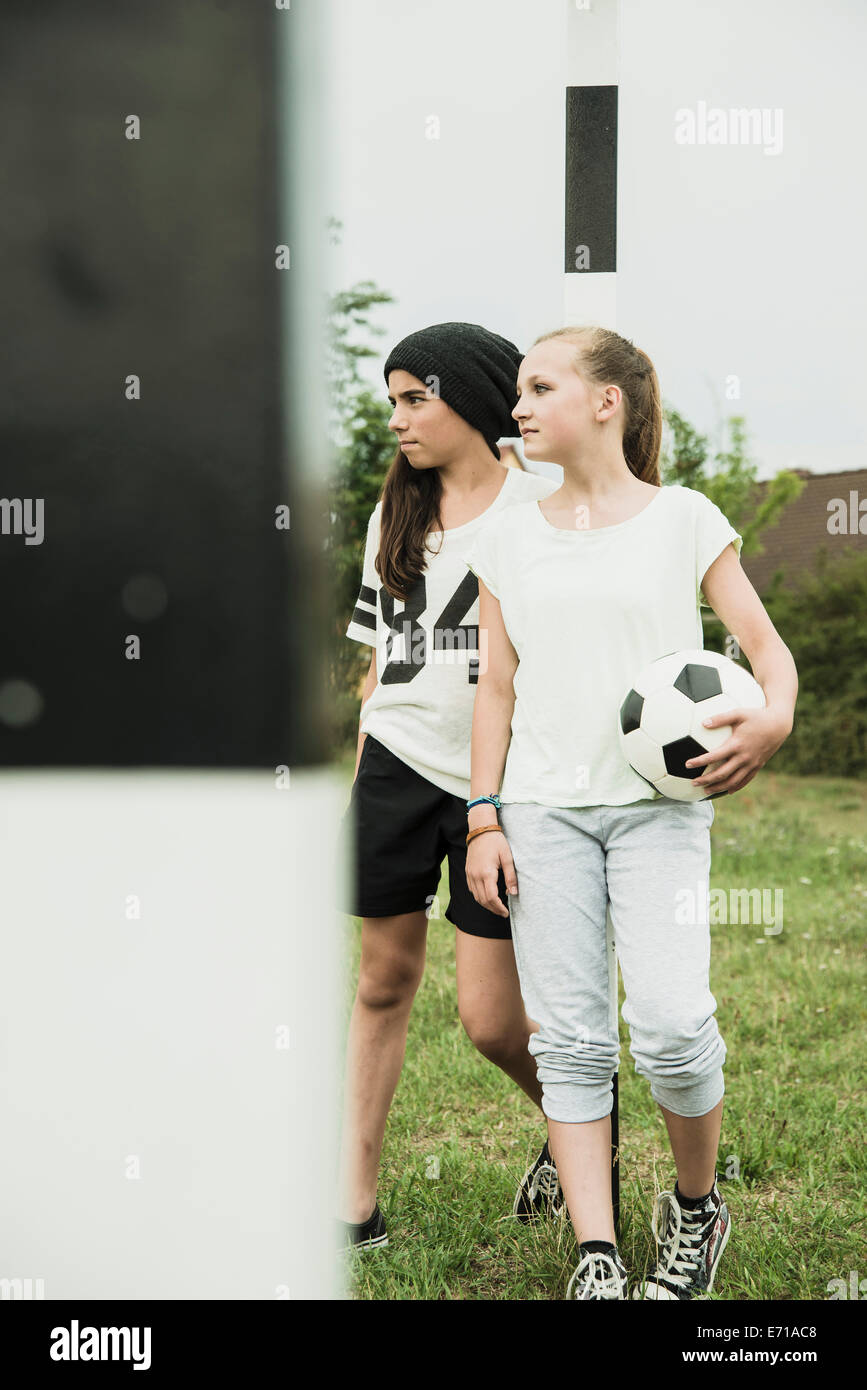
162	618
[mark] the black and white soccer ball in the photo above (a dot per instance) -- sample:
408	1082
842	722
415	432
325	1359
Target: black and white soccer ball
660	718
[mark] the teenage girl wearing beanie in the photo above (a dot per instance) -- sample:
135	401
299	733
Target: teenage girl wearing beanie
578	592
453	388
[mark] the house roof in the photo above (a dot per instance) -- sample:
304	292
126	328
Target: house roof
793	543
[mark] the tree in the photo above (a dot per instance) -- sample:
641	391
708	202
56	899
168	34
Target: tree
730	481
363	448
824	620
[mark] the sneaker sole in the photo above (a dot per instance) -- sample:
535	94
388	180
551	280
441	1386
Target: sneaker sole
372	1243
552	1212
526	1214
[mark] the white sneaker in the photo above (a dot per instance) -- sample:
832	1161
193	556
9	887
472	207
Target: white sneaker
690	1242
598	1276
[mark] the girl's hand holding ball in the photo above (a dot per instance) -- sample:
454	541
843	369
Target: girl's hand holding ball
756	736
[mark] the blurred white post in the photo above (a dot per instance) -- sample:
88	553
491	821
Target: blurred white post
168	1005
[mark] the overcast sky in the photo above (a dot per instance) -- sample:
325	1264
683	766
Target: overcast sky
731	261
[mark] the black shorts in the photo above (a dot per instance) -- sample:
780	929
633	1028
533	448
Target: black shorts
401	827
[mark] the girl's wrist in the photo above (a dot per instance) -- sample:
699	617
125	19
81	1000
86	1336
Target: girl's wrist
783	718
484	812
480	831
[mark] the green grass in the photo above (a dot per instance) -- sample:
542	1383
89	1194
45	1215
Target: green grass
792	1011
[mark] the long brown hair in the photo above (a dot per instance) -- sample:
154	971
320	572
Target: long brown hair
603	358
410	511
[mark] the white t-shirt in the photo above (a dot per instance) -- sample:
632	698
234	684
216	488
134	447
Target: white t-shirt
427	647
586	610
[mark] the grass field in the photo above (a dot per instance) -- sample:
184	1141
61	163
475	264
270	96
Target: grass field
792	1009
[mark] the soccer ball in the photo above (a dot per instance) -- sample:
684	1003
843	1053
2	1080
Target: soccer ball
660	718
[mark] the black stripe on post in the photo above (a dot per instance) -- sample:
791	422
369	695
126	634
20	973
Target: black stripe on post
591	179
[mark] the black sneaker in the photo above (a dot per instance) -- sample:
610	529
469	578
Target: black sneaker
540	1193
366	1235
599	1275
691	1241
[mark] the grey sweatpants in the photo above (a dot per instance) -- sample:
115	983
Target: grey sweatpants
651	861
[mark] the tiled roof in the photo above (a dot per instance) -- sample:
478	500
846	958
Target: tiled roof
793	543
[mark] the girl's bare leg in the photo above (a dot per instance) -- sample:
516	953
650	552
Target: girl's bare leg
392	963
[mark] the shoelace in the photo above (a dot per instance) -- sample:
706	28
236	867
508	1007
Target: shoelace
600	1276
546	1181
684	1232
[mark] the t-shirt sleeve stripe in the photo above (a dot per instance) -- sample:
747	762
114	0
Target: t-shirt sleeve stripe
362	625
363	618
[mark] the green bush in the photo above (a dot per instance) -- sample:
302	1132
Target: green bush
823	621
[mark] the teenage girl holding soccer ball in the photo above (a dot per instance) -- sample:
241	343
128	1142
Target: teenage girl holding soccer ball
577	592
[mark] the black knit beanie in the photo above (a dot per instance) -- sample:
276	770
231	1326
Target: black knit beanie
477	373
